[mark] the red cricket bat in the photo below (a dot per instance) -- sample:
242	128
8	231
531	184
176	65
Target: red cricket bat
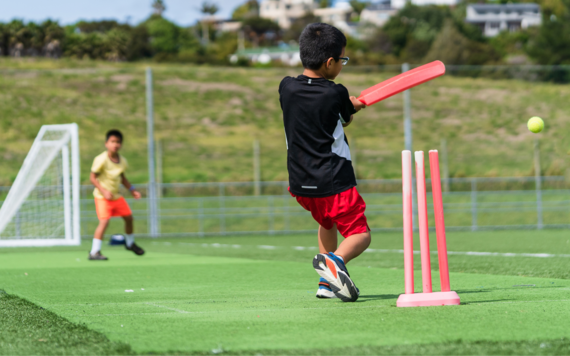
402	82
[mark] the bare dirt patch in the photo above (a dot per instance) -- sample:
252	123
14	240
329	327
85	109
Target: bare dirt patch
494	95
122	80
190	85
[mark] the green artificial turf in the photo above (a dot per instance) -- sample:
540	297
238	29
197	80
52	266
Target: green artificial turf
208	295
26	329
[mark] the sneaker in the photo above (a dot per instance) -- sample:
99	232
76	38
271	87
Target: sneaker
325	291
333	270
97	256
136	249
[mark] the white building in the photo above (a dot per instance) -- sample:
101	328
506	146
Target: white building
338	16
284	12
399	4
378	13
341	12
493	19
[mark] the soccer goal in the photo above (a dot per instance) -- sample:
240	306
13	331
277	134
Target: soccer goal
42	206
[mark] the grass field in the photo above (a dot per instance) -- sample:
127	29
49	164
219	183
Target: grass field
255	295
208	118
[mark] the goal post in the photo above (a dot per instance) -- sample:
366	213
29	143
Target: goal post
42	207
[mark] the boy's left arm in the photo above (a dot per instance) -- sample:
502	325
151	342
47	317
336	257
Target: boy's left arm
136	194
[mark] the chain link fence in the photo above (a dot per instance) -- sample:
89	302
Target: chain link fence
218	209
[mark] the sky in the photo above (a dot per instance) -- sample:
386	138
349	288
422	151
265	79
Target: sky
182	12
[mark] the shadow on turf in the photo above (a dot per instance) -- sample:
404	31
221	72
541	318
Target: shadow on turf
367	298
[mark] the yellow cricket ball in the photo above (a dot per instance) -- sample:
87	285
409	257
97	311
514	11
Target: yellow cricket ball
535	124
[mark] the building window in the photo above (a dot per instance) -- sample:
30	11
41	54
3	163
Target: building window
494	25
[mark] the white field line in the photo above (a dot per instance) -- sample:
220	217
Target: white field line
173	309
337	308
242	311
370	250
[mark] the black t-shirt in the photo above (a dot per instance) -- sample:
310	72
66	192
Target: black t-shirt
318	156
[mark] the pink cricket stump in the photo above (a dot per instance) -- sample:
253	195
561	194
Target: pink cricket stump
423	221
427	298
439	221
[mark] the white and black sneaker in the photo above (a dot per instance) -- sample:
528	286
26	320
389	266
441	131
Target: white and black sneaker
332	269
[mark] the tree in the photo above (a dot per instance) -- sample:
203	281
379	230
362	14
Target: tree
164	36
259	29
452	47
158	7
418	23
297	27
358	6
249	9
207	8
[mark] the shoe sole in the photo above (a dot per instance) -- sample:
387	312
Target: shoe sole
340	283
136	253
329	295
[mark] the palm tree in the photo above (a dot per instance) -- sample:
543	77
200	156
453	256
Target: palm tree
208	8
158	7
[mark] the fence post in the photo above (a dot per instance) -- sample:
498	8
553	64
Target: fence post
222	207
271	214
201	217
256	169
286	197
473	204
537	178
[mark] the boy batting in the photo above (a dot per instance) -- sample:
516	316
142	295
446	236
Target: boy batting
321	176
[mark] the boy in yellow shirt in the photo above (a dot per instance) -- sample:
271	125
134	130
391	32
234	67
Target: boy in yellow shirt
107	174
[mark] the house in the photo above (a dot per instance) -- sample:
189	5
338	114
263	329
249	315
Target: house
377	13
286	54
493	19
339	16
399	4
285	12
341	12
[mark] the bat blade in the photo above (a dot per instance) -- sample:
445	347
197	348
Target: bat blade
402	82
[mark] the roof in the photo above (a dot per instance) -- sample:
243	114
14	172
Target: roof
505	7
383	5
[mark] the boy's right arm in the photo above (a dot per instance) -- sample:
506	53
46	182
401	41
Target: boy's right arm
106	194
358	105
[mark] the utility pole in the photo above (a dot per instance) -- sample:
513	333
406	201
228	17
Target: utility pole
407	114
153	228
445	165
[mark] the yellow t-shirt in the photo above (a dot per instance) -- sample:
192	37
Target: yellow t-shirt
108	174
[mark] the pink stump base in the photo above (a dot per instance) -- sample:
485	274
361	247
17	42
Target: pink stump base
428	299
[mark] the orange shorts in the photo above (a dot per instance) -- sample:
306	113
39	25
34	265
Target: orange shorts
109	208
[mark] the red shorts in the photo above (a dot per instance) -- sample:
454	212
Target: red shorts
109	208
345	209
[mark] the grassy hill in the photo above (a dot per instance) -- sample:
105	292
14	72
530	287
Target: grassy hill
208	117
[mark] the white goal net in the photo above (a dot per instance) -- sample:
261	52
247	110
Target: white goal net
42	206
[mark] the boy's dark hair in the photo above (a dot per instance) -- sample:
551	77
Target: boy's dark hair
115	133
318	43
